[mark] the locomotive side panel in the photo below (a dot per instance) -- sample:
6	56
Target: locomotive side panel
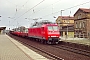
36	32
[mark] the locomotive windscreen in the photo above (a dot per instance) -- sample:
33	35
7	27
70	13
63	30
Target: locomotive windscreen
52	28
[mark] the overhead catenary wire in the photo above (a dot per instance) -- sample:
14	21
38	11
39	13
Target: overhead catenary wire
22	6
34	7
30	9
46	7
16	9
68	8
77	5
11	2
16	4
53	12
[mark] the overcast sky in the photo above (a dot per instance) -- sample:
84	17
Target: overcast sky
14	12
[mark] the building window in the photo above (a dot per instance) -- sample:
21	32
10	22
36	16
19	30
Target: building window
68	21
59	22
80	25
79	16
83	24
60	27
76	24
64	21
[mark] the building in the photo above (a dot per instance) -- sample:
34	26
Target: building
66	25
2	30
82	23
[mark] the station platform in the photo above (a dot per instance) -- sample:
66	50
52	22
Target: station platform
10	49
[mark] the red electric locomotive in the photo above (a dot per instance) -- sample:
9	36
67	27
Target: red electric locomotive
45	33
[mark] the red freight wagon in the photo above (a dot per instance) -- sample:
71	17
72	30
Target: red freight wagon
24	33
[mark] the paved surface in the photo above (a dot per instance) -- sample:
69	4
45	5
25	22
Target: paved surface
10	49
64	38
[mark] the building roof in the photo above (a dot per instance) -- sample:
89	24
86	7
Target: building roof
85	10
66	17
2	28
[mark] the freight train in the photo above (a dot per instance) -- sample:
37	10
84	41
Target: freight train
43	32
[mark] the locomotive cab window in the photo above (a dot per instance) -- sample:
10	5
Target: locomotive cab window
50	28
55	28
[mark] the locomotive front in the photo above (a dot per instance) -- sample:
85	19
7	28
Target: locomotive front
53	34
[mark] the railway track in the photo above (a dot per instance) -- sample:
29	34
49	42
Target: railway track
54	57
50	55
75	50
53	52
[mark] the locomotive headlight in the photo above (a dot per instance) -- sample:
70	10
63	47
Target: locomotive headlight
49	36
60	37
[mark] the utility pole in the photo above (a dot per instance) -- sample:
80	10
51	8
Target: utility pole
0	16
60	23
